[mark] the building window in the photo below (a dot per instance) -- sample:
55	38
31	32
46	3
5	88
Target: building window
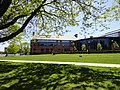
47	50
66	49
34	49
59	49
47	43
58	42
42	50
104	42
65	43
51	50
34	44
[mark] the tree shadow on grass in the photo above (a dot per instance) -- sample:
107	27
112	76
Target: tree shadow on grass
56	77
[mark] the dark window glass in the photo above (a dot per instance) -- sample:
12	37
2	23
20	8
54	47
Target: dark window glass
42	49
59	49
47	50
65	43
66	49
51	50
104	43
58	43
47	42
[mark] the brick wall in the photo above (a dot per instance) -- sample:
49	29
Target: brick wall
36	49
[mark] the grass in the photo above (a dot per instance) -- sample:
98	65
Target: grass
32	76
91	58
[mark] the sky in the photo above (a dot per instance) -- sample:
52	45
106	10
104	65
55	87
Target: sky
75	30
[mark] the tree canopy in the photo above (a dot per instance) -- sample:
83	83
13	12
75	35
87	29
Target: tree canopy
53	15
13	48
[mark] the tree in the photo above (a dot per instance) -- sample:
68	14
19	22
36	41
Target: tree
51	15
115	45
99	46
26	47
13	48
83	47
73	46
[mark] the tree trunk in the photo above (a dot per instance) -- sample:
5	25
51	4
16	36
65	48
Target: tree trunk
4	5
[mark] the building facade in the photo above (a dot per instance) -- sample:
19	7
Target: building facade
106	41
59	44
91	43
51	44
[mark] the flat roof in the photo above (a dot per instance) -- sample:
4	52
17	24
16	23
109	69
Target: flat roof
112	32
73	38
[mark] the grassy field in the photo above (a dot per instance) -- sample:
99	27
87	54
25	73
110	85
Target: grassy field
29	76
91	58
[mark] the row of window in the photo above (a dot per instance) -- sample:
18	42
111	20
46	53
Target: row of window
51	50
105	42
52	43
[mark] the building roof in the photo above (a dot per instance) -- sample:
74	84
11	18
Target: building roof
108	33
73	38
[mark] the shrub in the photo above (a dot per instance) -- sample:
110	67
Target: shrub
99	46
83	47
115	45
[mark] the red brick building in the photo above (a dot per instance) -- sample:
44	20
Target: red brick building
49	44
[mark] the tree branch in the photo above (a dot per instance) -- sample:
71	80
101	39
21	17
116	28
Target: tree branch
11	22
24	25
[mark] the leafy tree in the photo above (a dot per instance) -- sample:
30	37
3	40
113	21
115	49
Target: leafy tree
115	45
73	46
26	47
52	15
83	47
99	46
13	48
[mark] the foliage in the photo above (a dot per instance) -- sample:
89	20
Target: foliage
99	46
13	48
115	45
83	47
25	47
33	76
92	58
46	16
73	46
18	40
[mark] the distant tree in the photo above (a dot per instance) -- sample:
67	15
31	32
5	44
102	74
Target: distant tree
18	39
73	46
99	46
83	47
13	48
25	47
115	45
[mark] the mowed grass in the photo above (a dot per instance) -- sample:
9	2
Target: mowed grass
88	58
35	76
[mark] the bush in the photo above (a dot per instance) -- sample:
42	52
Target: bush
115	45
83	47
99	46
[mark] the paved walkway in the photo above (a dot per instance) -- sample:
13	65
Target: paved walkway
73	63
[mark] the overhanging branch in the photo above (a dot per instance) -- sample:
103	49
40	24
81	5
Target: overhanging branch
24	25
11	22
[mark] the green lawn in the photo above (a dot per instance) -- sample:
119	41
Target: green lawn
91	58
32	76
